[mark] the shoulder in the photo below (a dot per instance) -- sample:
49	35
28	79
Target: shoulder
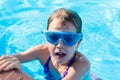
81	59
82	65
43	48
40	47
79	69
82	62
40	50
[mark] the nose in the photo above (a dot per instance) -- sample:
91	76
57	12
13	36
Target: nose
60	45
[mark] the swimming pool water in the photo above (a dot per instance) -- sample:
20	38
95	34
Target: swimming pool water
21	23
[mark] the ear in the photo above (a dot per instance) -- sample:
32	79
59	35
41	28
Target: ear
78	44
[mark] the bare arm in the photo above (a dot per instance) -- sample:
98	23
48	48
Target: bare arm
30	54
10	62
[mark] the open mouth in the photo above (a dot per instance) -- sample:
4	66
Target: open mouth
60	54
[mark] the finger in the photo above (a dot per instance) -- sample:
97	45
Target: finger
4	61
3	66
10	66
15	58
4	57
17	65
10	63
13	65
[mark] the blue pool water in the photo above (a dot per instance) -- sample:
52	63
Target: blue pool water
21	23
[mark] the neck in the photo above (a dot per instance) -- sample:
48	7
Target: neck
56	64
62	67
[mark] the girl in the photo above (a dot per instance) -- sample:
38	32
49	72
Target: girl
59	55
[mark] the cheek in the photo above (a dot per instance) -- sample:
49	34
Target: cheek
51	48
72	48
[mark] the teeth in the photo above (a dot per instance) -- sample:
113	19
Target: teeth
60	53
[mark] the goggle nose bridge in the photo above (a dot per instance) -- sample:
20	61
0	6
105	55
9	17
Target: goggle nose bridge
61	39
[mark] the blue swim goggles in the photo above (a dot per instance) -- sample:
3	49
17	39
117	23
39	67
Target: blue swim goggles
68	38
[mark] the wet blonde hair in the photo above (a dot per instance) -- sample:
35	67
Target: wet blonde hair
66	15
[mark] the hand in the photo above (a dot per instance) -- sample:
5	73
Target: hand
9	62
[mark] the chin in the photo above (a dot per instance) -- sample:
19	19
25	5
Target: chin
62	61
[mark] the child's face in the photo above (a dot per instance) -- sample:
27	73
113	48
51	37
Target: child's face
60	52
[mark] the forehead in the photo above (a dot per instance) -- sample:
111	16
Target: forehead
58	24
